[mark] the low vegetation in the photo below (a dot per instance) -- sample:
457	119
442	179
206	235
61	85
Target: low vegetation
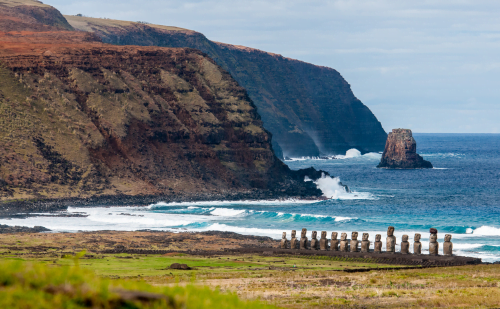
281	281
38	285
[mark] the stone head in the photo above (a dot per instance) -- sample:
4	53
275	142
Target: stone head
417	237
334	235
365	236
314	234
354	235
343	236
283	236
447	237
433	238
294	232
390	231
323	235
378	237
303	233
405	237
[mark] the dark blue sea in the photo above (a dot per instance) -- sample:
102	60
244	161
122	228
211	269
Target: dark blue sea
460	196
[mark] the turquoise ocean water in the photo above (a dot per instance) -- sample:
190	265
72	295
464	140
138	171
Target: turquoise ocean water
460	196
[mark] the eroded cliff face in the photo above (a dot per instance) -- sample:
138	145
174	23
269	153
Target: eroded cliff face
401	152
310	110
80	118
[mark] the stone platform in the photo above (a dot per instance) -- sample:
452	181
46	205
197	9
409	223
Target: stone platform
369	257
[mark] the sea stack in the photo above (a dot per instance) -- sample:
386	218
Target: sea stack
401	152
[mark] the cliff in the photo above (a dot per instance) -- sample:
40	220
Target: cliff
310	110
401	152
28	15
79	119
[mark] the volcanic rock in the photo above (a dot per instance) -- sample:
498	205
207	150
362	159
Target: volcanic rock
180	266
310	110
82	119
401	152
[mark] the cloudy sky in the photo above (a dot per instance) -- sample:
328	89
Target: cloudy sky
432	66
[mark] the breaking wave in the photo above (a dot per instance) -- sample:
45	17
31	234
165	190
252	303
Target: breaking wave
486	231
332	188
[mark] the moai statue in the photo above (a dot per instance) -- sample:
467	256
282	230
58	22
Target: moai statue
323	242
448	245
377	245
433	244
303	239
405	245
365	243
314	241
284	241
391	240
344	243
354	242
417	245
334	243
294	242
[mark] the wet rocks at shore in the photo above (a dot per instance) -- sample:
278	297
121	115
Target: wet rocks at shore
6	229
401	152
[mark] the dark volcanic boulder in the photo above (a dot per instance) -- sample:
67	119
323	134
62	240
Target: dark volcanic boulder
179	266
401	152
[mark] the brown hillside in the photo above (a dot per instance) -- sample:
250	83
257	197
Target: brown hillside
80	118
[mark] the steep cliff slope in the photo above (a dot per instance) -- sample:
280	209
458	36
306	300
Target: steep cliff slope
80	118
308	109
29	15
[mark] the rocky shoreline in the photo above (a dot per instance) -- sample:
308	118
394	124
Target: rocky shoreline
10	208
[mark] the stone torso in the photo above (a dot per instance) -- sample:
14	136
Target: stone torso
447	245
417	245
323	242
344	243
365	243
405	245
314	241
377	246
433	245
391	244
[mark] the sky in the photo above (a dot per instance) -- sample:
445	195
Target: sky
430	66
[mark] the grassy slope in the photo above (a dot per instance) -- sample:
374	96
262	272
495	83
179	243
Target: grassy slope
312	283
14	3
34	285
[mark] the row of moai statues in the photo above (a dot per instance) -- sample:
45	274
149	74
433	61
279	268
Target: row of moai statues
352	245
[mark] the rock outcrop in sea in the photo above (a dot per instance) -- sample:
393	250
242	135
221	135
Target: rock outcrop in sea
401	152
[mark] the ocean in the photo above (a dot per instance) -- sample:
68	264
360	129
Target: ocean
460	196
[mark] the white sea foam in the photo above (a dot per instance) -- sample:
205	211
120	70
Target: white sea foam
443	155
486	231
338	219
332	189
227	212
350	154
353	153
232	203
